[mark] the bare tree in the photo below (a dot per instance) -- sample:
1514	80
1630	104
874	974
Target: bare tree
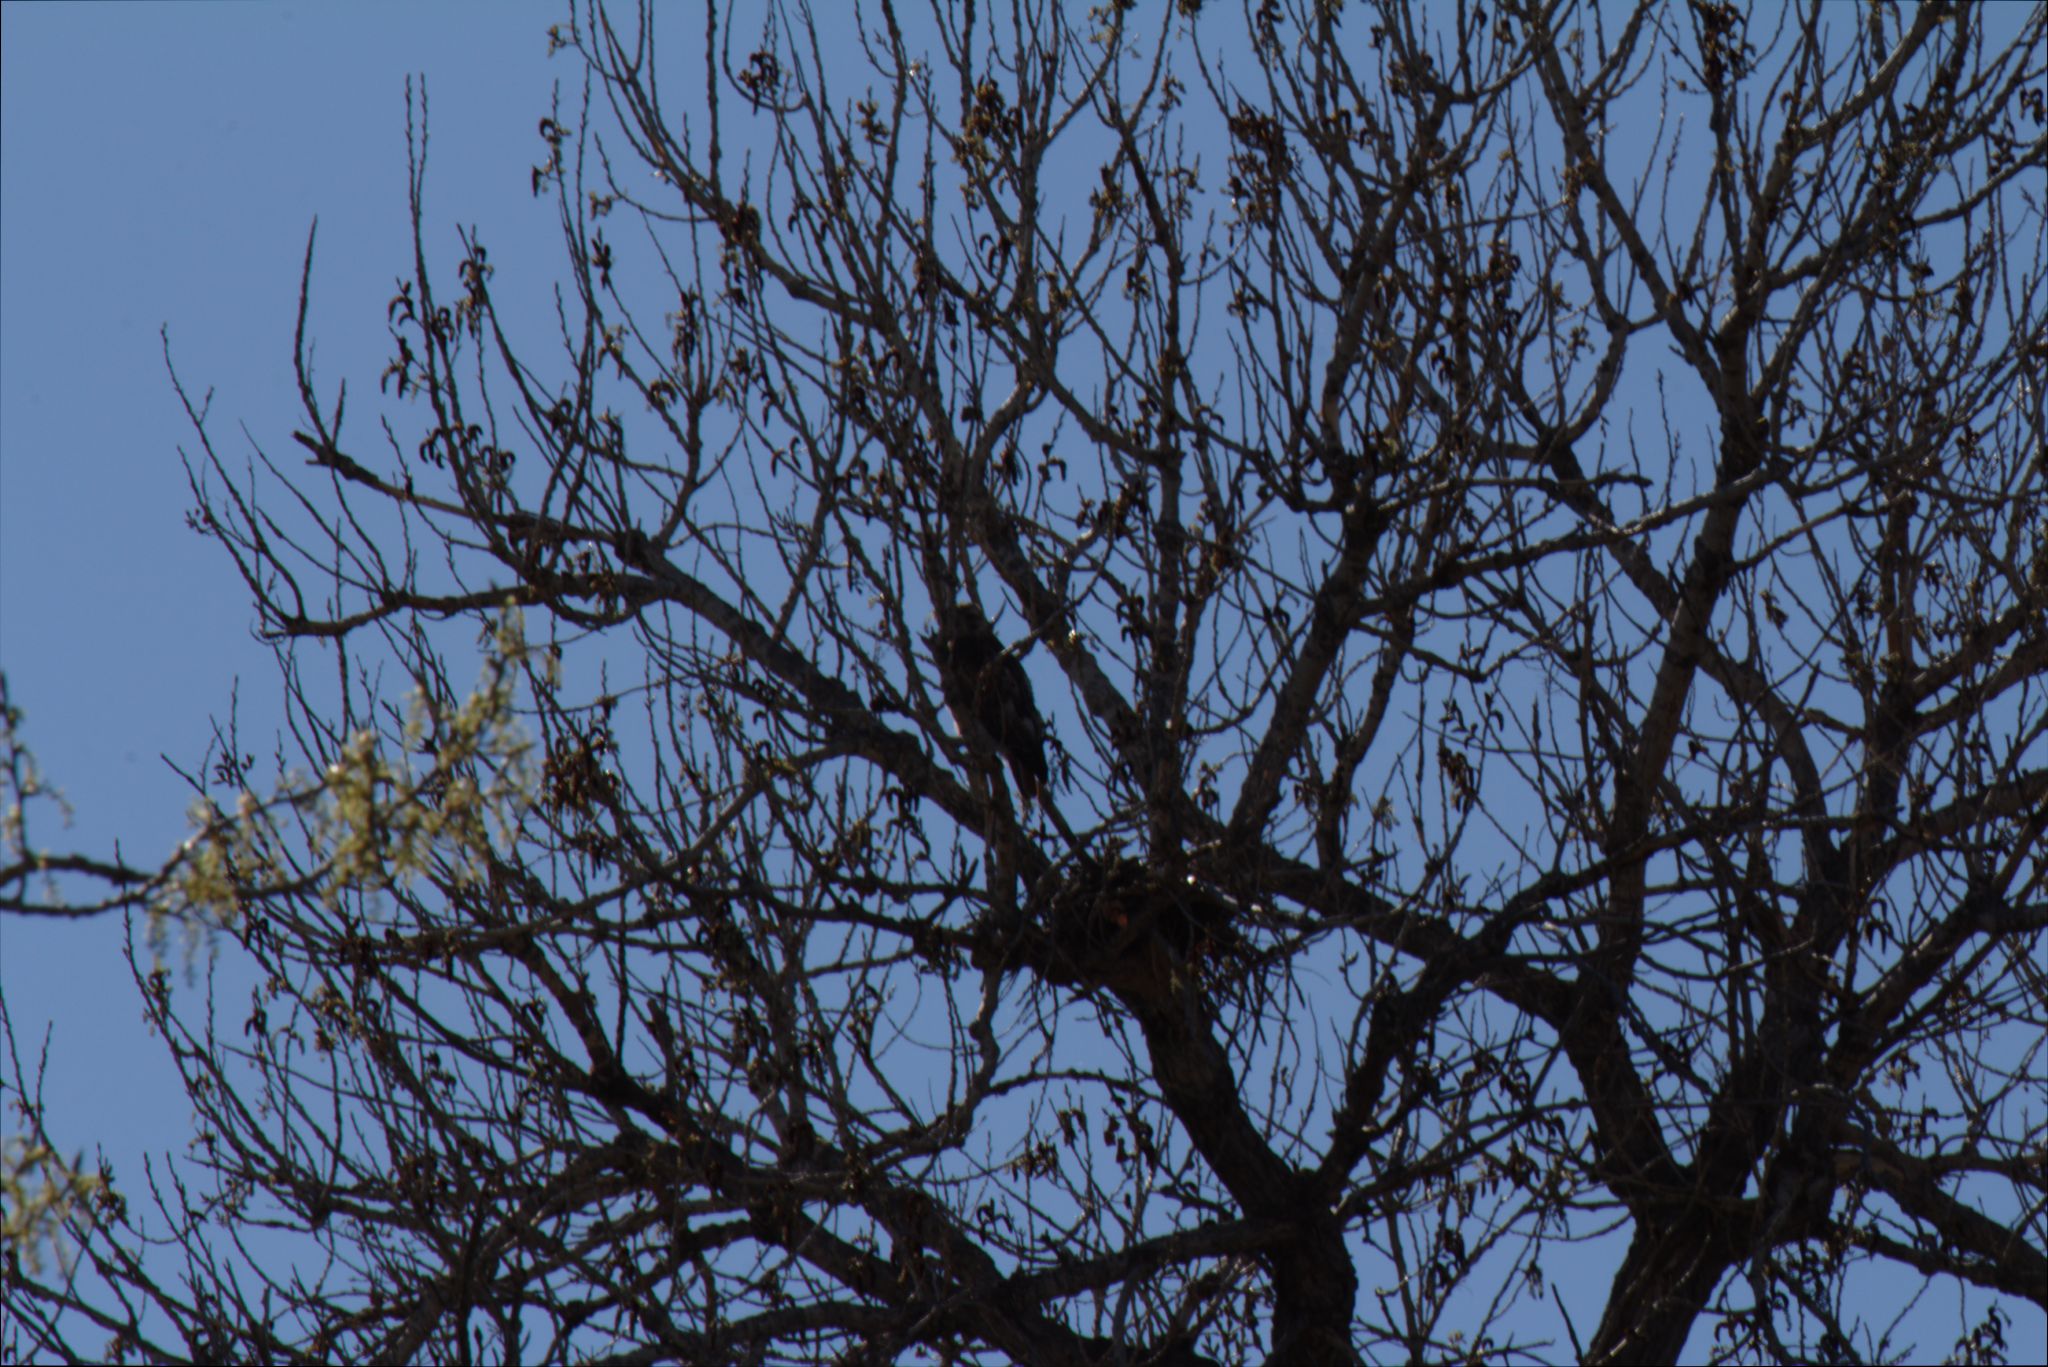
1151	687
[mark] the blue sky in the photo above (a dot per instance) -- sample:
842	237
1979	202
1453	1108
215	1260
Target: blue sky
162	165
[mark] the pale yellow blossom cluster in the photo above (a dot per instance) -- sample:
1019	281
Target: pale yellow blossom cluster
39	1190
376	819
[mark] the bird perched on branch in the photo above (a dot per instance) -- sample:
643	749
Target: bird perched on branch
990	693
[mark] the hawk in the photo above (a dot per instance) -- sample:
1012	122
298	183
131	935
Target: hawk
990	693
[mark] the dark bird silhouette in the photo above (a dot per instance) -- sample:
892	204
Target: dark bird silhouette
990	693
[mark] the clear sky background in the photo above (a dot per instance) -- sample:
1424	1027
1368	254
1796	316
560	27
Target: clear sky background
162	164
159	167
